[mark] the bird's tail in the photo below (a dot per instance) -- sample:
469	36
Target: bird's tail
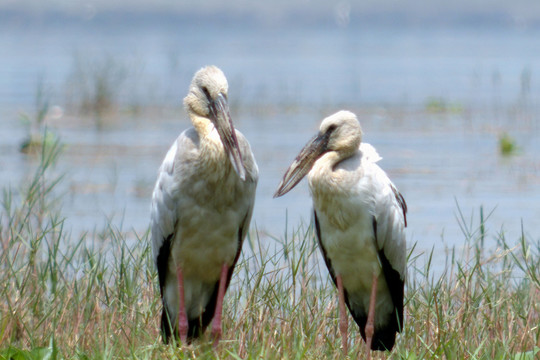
384	336
196	326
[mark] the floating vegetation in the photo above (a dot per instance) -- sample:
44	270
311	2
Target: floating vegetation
35	144
507	144
439	105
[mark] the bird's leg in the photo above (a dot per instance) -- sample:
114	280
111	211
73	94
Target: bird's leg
343	322
216	325
370	327
182	315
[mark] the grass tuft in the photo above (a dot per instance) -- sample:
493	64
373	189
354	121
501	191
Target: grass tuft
95	295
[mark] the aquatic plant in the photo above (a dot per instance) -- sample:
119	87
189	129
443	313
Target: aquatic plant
507	144
440	105
95	84
37	134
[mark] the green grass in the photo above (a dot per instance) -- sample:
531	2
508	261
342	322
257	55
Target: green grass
95	296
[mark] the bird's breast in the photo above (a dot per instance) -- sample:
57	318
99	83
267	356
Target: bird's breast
345	210
205	240
351	249
210	217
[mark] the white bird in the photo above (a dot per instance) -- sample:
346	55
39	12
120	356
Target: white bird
201	209
360	218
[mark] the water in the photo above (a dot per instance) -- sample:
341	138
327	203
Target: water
282	83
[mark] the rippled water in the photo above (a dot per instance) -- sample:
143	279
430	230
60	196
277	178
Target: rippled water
282	83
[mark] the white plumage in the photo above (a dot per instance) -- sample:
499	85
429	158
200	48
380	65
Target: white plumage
360	218
201	209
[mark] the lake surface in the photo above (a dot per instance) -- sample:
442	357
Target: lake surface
432	101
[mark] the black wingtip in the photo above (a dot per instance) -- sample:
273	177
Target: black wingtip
162	261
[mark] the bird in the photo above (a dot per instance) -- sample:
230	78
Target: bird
360	220
200	212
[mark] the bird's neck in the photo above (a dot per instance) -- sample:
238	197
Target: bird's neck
212	152
324	177
329	187
202	125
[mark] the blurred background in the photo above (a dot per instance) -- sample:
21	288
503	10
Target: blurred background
448	93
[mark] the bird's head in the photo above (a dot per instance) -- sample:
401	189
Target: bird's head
340	133
208	84
343	132
207	98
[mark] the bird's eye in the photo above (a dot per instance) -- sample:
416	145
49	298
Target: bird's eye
206	92
331	129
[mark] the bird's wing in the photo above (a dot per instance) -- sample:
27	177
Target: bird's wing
390	215
369	153
249	160
389	210
164	208
389	223
327	260
242	232
252	178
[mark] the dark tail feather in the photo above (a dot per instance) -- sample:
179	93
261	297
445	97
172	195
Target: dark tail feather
161	264
197	326
384	337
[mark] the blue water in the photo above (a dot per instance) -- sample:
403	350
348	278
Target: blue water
283	81
317	66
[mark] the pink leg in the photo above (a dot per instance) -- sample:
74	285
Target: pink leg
216	325
370	327
343	323
182	316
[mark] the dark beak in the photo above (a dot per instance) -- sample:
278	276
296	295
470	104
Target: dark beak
303	163
219	111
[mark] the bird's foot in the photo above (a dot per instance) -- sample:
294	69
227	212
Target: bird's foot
370	323
216	334
182	315
183	328
369	339
343	322
216	325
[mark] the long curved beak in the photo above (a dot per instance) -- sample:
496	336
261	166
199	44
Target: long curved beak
302	164
225	128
